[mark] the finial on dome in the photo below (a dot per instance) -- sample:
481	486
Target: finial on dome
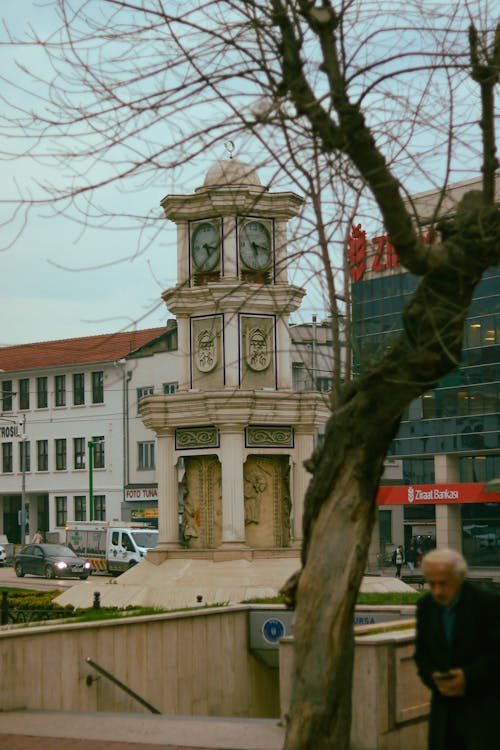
229	146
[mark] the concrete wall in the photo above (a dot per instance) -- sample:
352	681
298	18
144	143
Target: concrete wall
390	705
188	663
198	663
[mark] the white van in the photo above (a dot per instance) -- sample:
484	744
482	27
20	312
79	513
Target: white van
111	546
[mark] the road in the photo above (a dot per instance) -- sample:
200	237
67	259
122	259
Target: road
8	579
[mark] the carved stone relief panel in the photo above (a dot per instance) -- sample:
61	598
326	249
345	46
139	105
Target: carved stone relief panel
206	352
202	517
267	501
257	351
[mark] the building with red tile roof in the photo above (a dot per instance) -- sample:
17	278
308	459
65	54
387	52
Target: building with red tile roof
84	350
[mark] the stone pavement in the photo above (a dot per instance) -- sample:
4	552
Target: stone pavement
58	730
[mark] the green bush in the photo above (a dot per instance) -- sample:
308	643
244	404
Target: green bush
35	606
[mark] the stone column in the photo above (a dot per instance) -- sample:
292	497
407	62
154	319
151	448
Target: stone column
448	517
304	445
183	337
168	499
283	363
233	503
231	348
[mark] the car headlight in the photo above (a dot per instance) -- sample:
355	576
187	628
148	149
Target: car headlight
60	565
87	565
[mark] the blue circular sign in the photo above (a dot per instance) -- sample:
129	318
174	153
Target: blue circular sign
273	630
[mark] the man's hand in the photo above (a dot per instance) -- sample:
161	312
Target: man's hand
452	685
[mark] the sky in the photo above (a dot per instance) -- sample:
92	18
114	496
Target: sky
52	284
59	279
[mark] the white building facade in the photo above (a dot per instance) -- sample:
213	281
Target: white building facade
62	400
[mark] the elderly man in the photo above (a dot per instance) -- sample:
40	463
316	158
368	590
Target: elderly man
458	655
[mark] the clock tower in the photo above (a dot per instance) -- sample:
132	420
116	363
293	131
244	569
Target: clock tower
234	436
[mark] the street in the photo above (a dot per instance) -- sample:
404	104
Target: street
8	579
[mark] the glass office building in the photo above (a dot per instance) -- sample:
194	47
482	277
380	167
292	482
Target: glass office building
447	449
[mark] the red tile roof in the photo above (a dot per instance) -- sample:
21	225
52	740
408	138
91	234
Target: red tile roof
86	350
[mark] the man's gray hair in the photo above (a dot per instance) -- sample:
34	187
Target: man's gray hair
445	556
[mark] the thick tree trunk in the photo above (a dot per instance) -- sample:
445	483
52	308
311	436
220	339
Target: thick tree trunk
320	712
340	501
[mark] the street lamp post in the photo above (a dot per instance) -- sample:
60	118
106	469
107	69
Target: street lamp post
22	521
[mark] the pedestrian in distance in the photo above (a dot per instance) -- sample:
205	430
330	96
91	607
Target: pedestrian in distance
411	557
457	655
398	559
37	537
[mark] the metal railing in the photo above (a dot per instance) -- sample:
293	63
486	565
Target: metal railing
118	683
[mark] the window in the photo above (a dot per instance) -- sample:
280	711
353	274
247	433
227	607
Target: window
148	390
170	387
299	377
42	455
41	393
6	395
98	387
6	458
60	390
61	460
24	393
127	543
146	455
99	508
98	449
79	452
78	388
24	455
385	526
324	384
61	510
80	508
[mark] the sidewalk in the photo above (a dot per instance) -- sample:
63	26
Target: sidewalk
58	730
493	573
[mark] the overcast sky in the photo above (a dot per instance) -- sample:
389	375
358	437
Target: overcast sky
41	298
61	280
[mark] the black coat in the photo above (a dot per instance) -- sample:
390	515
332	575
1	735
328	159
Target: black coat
475	648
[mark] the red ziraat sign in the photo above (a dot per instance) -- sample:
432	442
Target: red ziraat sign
436	494
385	256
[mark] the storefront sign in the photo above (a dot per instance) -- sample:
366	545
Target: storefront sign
436	494
9	431
141	494
139	514
375	255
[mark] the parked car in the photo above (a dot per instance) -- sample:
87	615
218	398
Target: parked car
2	556
51	561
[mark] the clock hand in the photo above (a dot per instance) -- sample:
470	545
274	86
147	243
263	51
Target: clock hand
256	247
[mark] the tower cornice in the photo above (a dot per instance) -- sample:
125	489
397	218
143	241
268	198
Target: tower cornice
233	296
226	201
306	410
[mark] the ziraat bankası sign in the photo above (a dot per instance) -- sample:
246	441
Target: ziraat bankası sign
436	494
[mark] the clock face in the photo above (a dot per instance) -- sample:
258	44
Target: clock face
255	245
205	246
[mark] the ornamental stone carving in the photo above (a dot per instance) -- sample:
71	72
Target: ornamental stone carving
206	352
258	349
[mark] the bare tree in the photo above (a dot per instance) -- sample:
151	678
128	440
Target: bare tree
355	104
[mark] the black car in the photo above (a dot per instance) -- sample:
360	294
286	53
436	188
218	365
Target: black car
51	561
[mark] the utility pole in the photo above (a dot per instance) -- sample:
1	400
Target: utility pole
22	519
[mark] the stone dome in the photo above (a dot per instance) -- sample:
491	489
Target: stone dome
231	172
